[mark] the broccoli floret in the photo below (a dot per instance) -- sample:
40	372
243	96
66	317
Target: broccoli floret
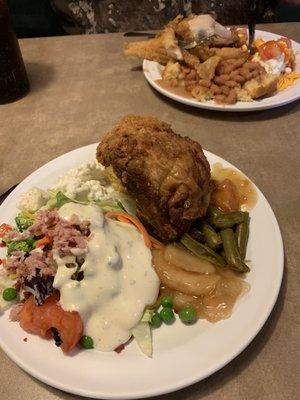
21	245
23	222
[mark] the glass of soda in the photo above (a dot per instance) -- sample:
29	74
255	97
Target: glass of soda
14	82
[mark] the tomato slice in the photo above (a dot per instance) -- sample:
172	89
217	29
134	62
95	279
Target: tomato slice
269	50
4	228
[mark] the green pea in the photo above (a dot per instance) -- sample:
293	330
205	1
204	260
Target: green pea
167	315
9	294
188	315
156	320
166	301
86	342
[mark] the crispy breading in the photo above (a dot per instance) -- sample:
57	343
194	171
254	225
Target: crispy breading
227	53
167	174
205	70
151	49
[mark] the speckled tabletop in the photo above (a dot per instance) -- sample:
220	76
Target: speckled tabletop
80	86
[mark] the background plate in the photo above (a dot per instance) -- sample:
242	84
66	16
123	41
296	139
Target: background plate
182	354
152	71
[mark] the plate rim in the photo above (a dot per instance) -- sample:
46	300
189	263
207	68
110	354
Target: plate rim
186	381
255	106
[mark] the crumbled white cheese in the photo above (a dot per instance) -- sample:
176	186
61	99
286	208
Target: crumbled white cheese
33	200
87	182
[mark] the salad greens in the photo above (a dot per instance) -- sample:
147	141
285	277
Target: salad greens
25	245
24	220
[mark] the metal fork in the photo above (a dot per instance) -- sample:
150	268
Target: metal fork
253	16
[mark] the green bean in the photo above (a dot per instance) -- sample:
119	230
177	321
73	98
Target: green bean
196	234
242	235
232	253
202	251
213	211
227	220
211	237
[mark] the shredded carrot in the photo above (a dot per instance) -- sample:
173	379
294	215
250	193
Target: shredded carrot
131	219
156	244
287	80
42	242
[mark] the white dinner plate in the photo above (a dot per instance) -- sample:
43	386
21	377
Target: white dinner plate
152	71
182	354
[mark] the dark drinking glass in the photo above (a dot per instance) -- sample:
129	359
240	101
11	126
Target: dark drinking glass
13	78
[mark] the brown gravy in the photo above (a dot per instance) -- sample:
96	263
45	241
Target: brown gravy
178	90
246	191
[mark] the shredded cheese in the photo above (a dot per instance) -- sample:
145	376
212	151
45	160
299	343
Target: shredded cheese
287	80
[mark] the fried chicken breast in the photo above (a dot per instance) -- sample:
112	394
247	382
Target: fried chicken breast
167	174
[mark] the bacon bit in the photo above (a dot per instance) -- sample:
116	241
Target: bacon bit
43	242
2	244
3	261
119	348
4	228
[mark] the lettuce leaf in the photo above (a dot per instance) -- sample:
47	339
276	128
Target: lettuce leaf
143	336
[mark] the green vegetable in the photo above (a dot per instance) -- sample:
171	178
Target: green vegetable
167	315
156	320
213	211
147	316
232	254
9	294
202	251
211	237
107	205
188	315
86	342
25	245
228	220
62	199
23	221
197	234
242	235
166	301
120	205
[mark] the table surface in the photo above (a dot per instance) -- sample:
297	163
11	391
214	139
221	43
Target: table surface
80	87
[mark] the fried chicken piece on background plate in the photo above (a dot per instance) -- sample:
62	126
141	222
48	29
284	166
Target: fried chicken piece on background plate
167	174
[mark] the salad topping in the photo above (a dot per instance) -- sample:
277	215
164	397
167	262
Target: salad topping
119	281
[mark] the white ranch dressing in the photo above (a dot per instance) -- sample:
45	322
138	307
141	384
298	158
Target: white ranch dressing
119	280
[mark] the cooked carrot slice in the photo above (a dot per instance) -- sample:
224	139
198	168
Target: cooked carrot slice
42	242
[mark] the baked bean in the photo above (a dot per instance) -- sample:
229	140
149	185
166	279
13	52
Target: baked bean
251	65
238	63
234	73
239	79
215	89
220	98
225	90
231	84
186	70
244	72
255	73
220	80
228	69
232	97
